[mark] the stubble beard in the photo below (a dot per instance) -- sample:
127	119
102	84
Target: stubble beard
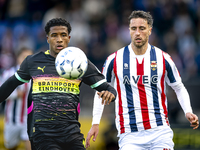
140	45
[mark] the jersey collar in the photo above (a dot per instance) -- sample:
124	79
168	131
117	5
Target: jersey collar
133	54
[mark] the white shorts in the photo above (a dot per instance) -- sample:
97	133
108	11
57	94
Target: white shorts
13	134
159	138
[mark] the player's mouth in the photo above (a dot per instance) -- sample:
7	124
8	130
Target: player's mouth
60	47
138	40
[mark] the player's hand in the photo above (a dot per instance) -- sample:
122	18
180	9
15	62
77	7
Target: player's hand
193	119
93	132
107	97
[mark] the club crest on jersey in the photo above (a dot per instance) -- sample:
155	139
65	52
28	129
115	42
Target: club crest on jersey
153	65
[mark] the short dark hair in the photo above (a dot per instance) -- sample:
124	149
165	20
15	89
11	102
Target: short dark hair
57	22
142	14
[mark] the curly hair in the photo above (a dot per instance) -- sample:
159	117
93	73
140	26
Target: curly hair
57	22
142	14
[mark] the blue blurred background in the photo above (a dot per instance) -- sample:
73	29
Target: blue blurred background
99	28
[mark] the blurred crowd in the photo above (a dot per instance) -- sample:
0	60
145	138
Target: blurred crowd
100	27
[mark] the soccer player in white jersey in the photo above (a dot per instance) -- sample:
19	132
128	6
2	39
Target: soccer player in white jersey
15	123
139	73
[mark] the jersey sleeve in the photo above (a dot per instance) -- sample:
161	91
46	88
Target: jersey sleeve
93	76
97	110
23	73
107	69
173	79
172	74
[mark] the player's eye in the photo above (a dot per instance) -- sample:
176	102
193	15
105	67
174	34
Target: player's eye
53	35
64	35
133	28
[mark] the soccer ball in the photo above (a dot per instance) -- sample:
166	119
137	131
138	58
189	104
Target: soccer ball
71	63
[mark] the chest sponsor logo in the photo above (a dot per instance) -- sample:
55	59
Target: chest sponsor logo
145	79
55	84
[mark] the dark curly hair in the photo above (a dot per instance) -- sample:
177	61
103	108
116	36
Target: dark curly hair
57	22
142	14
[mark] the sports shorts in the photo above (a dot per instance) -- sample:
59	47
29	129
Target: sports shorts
13	134
40	141
159	138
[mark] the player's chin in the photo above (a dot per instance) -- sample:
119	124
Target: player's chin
58	50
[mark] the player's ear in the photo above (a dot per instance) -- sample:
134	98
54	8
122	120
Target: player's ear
47	39
69	38
150	30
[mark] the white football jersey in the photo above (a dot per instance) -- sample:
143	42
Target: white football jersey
140	80
15	108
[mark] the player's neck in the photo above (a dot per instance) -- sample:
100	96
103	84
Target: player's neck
139	50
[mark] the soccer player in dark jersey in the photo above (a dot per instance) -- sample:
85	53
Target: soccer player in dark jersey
53	100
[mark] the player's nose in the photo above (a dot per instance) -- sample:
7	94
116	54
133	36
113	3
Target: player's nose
137	32
59	39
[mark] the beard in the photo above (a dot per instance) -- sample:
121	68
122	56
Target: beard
141	44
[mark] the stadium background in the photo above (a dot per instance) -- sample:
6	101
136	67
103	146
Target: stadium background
100	27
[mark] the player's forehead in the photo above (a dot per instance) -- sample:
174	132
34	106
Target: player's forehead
137	22
58	30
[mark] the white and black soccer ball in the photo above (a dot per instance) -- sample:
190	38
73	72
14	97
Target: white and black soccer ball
71	63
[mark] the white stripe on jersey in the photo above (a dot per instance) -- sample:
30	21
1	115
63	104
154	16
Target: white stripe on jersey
141	102
15	108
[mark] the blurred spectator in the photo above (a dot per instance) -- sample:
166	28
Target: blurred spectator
57	11
16	10
7	58
95	9
15	124
78	18
22	36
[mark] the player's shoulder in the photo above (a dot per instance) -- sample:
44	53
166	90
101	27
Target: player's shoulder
37	55
121	49
158	50
112	55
